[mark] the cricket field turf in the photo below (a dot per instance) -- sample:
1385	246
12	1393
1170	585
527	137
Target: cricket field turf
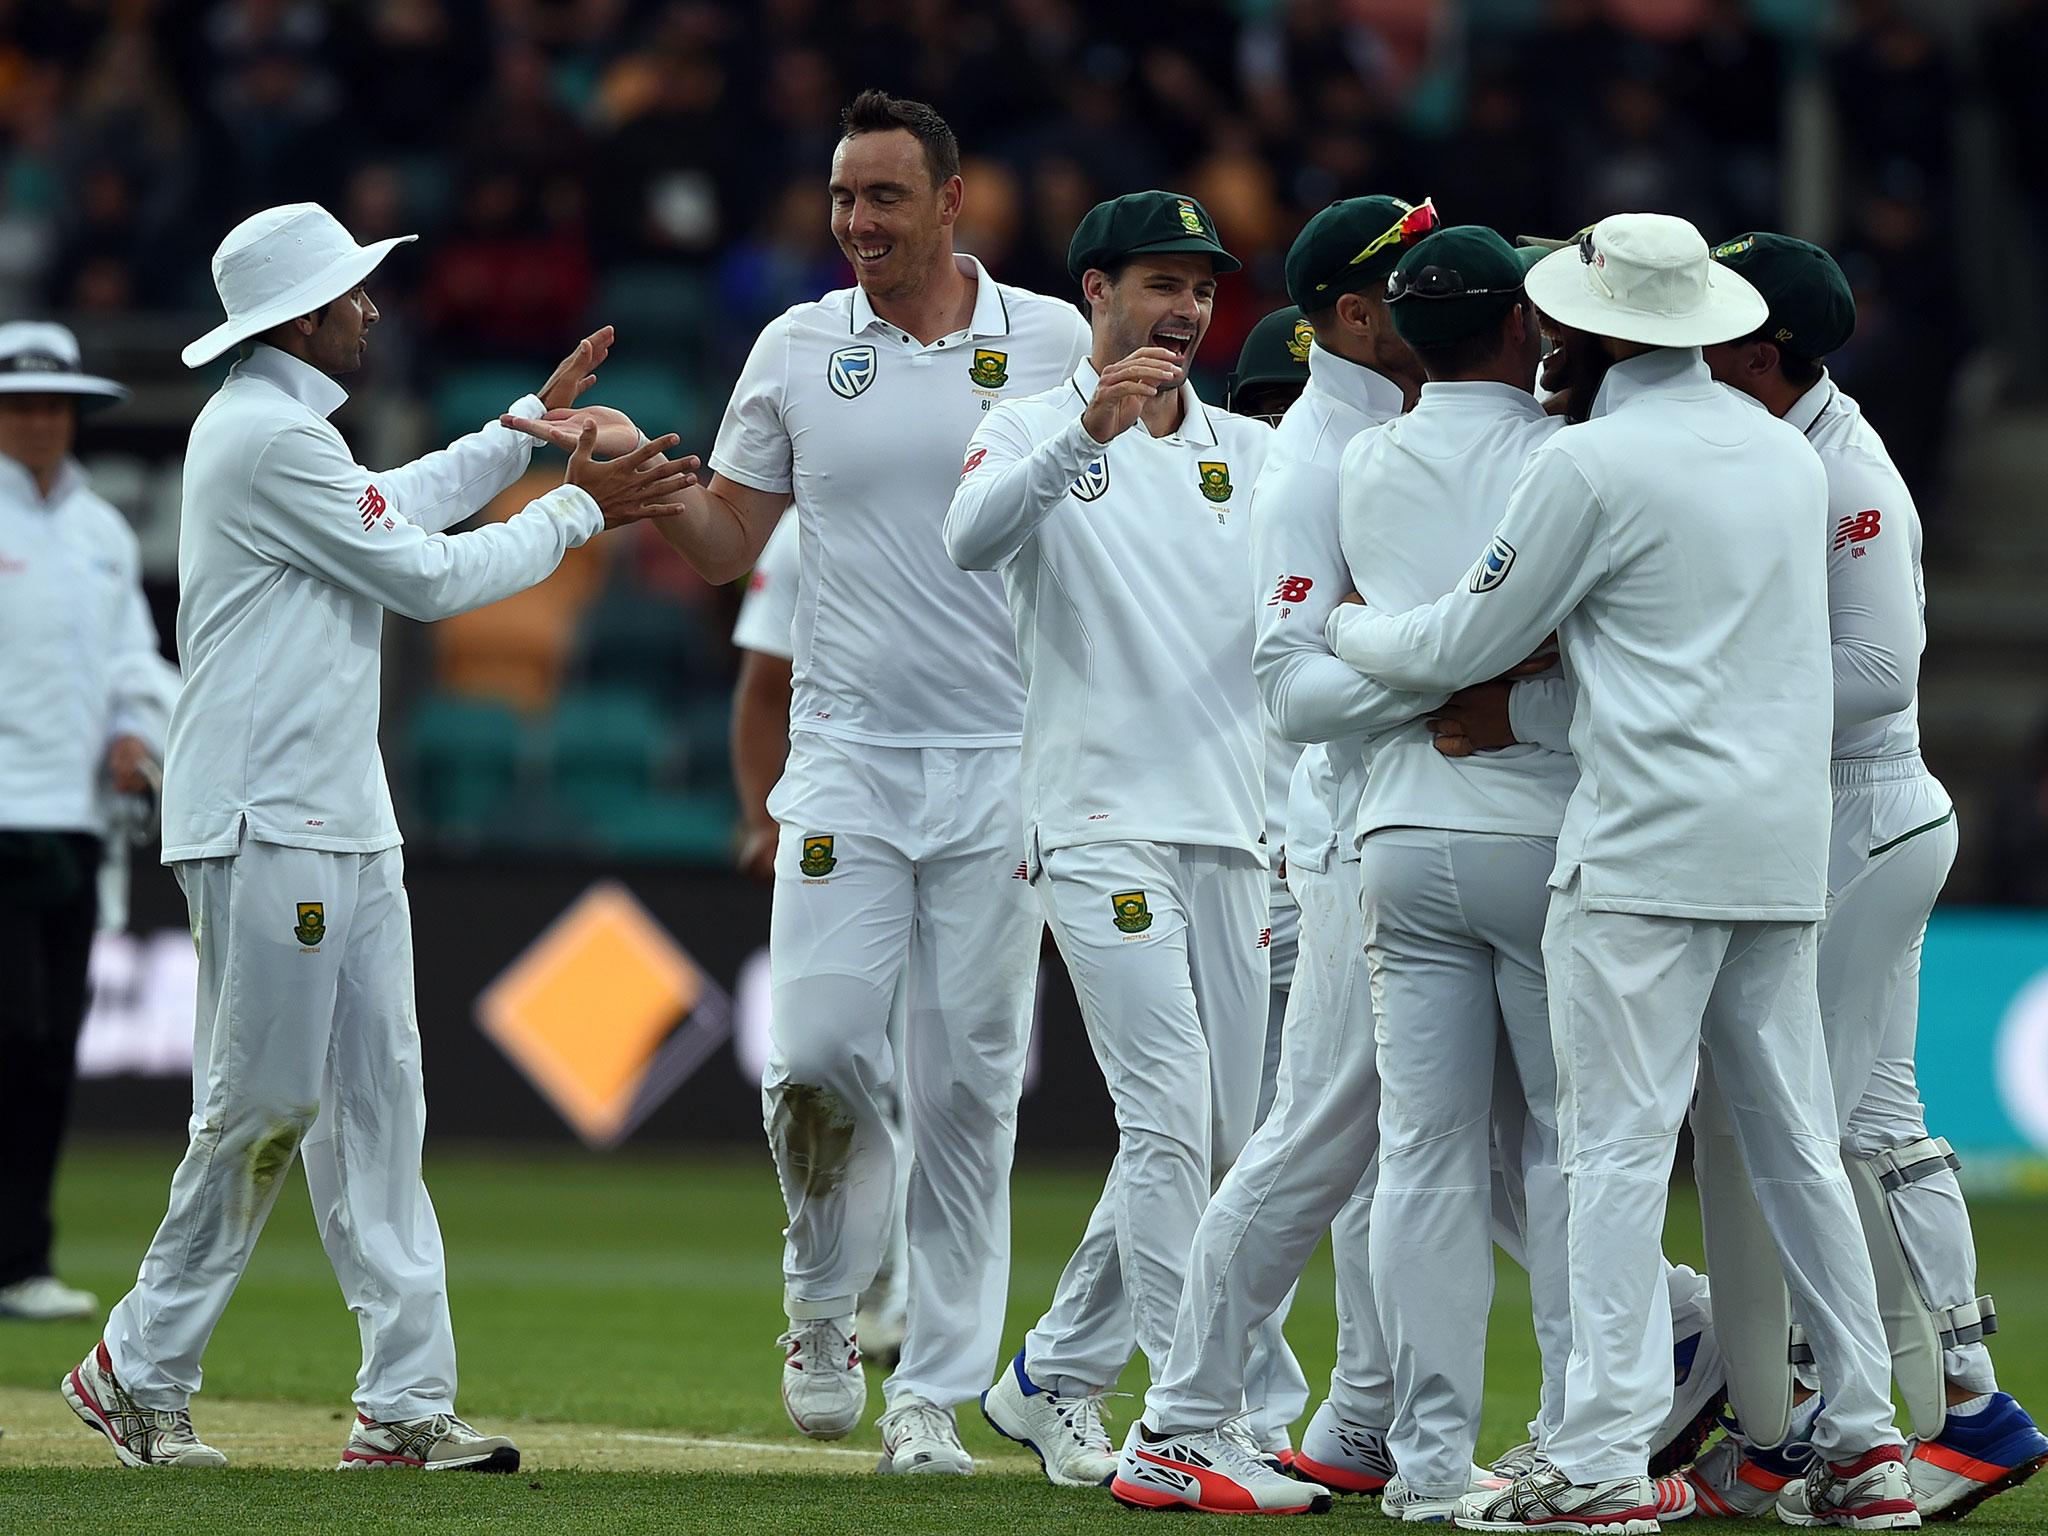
618	1315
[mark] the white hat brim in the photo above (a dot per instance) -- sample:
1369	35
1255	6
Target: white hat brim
1557	286
93	391
324	288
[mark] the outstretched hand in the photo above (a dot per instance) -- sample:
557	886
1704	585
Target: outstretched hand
616	431
578	371
637	486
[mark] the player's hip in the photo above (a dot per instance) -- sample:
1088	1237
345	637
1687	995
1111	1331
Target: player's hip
922	803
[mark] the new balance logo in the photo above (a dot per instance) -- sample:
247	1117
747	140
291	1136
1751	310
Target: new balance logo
1855	530
373	506
1265	938
1023	870
1291	589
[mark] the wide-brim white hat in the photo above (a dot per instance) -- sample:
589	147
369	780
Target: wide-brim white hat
1645	277
279	264
40	357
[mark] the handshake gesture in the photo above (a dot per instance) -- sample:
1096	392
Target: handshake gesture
636	481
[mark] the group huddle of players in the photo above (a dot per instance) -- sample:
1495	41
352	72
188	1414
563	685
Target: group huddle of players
1489	742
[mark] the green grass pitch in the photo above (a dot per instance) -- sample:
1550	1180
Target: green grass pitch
619	1315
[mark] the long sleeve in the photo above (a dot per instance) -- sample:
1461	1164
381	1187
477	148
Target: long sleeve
1874	622
308	512
1303	577
1545	557
440	489
1540	712
1009	485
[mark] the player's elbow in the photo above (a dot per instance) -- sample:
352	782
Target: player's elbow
966	546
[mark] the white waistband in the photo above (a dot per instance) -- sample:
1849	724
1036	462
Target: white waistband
1849	772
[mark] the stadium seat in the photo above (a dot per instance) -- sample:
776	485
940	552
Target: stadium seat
694	828
465	757
657	645
471	396
665	306
603	748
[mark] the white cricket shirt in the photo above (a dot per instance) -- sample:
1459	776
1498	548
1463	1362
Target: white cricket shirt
78	650
865	427
1418	496
1674	543
1298	565
288	554
1128	571
768	611
1877	597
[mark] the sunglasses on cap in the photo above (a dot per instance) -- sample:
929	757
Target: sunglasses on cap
1434	282
1406	230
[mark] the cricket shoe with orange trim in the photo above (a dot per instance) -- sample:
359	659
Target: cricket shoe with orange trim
1343	1457
1547	1500
824	1390
1975	1456
1209	1470
1870	1493
1738	1481
141	1437
438	1443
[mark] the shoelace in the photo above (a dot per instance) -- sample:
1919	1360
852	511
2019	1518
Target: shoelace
932	1421
821	1336
1242	1455
1083	1417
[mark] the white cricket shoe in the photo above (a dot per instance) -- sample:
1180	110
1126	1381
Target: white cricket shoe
823	1388
1547	1500
1517	1461
46	1299
439	1443
922	1437
1211	1470
1871	1493
1065	1433
1399	1502
141	1437
1344	1457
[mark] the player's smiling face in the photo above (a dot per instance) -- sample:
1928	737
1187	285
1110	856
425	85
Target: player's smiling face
889	219
1161	301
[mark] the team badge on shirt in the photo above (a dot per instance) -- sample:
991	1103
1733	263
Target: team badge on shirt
1493	566
1092	481
312	924
1215	480
817	856
850	370
1132	915
991	370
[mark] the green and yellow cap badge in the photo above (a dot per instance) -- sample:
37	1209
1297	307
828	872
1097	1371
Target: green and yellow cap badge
1274	358
1145	223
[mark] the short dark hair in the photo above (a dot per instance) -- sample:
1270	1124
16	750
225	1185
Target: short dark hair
1466	355
1804	372
879	112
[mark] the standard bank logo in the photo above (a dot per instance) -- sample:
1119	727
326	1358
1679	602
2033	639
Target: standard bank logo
850	371
1494	565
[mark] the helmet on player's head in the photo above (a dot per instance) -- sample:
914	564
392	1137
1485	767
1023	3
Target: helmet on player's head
1272	366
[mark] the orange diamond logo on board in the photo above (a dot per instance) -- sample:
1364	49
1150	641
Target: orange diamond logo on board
605	1014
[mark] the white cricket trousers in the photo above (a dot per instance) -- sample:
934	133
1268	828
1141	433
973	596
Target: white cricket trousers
1161	941
1634	999
304	1044
1308	1162
1894	842
1275	1390
900	865
1454	933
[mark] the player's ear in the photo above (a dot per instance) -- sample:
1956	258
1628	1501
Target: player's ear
1355	313
952	196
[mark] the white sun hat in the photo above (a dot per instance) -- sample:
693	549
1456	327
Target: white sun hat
40	357
1645	277
279	264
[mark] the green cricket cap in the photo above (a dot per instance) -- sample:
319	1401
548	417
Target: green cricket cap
1456	283
1812	310
1351	246
1145	224
1276	352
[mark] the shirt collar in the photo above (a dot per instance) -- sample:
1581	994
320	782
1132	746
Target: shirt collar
1454	394
1808	408
302	381
1662	369
1366	390
991	315
17	484
1195	425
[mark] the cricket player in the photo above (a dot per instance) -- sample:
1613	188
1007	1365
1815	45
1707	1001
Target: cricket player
84	724
278	823
901	844
1894	841
1671	543
760	749
1271	1208
1115	507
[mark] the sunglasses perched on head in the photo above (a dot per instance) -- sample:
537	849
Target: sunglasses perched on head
1434	282
1406	230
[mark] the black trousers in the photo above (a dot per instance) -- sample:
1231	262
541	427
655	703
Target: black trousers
49	904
